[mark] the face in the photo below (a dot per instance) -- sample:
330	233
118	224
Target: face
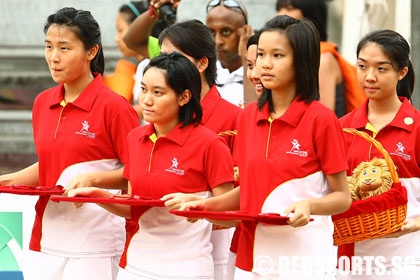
66	56
168	47
375	73
275	62
122	25
291	12
252	73
224	24
160	103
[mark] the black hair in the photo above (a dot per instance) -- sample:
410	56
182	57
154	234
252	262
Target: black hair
304	40
194	39
397	49
253	40
315	10
180	75
135	8
86	29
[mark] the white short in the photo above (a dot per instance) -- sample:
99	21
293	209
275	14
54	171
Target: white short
231	265
221	240
42	266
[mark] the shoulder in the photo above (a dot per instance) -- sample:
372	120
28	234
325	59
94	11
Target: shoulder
318	109
204	133
229	108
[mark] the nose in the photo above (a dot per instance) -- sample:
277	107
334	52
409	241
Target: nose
263	63
146	98
218	38
53	56
370	75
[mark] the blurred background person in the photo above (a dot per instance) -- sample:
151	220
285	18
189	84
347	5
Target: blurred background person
126	79
338	86
228	22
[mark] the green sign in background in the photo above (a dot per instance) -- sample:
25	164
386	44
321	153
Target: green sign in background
10	229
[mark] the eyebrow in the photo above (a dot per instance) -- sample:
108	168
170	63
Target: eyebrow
60	42
379	62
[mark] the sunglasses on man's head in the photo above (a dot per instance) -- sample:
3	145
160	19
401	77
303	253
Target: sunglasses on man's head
228	4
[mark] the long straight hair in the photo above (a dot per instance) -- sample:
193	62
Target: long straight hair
304	40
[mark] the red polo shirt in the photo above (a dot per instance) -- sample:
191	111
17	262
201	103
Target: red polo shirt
219	115
92	128
281	162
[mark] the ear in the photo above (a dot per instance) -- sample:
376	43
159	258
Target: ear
202	64
402	73
91	53
184	98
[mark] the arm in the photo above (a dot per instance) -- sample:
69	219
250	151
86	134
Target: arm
137	36
225	198
337	201
224	202
116	209
329	77
110	179
27	176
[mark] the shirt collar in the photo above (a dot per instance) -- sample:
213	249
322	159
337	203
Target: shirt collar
178	135
292	116
86	98
404	118
226	77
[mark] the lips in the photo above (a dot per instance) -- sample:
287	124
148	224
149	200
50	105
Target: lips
266	76
371	89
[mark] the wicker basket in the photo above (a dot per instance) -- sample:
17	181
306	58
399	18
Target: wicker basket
359	222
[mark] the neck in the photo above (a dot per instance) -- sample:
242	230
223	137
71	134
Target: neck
384	106
382	112
205	88
281	102
74	89
234	64
162	130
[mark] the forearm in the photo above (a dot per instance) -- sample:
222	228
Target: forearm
26	176
110	179
137	36
333	203
227	201
116	209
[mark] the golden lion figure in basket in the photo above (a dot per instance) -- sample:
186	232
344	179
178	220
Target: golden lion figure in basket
369	178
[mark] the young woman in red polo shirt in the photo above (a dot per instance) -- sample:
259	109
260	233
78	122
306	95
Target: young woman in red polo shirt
386	74
176	159
291	159
80	130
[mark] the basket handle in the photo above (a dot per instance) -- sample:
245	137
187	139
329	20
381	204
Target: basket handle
228	132
380	148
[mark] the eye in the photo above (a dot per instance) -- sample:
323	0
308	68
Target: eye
226	32
250	66
259	54
157	92
364	173
361	66
143	89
